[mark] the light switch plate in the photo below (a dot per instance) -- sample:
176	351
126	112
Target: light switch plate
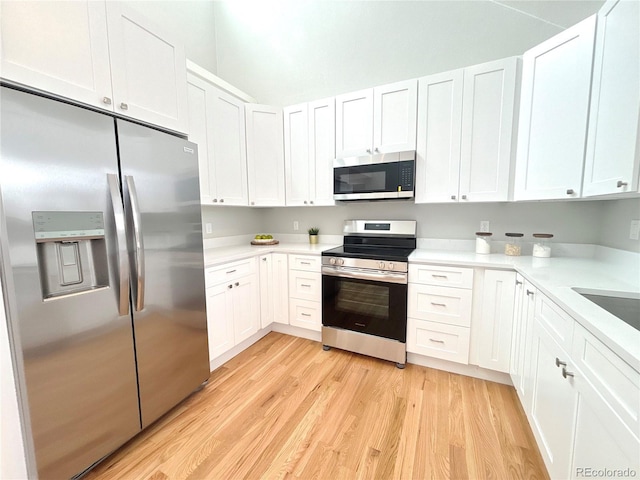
484	226
296	225
208	228
634	230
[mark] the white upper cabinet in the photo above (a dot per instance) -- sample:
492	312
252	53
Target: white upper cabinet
556	81
487	145
58	47
148	70
309	151
216	124
394	117
265	157
322	149
296	154
377	120
613	154
465	133
100	53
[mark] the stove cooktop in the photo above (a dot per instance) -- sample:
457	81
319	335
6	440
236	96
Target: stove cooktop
370	252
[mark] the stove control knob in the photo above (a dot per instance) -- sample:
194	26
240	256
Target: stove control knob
340	261
381	265
390	266
332	261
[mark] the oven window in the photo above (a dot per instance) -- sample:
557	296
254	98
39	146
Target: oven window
362	182
363	299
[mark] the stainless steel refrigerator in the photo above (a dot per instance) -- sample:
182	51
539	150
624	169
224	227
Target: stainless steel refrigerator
102	263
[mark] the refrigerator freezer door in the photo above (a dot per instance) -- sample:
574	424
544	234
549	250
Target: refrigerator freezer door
162	204
77	351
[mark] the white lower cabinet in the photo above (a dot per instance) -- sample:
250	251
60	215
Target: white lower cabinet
305	292
521	339
233	302
274	290
492	331
439	311
585	400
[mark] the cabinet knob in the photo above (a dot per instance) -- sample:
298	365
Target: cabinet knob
368	150
305	202
230	286
124	106
570	191
237	284
464	197
264	259
529	292
222	200
215	200
453	197
106	100
621	184
376	150
518	282
253	203
311	202
560	363
566	373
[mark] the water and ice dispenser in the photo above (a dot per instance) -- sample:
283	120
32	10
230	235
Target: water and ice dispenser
72	253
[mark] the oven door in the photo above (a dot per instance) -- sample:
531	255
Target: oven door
368	306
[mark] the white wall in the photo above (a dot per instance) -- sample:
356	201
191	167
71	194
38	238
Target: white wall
286	52
191	21
231	221
616	221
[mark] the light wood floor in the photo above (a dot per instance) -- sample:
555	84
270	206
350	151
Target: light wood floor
286	408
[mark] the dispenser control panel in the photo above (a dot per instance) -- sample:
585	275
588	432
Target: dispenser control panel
49	226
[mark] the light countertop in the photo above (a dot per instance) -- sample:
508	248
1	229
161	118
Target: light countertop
554	277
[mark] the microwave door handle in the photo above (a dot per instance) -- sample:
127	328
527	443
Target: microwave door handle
137	242
121	244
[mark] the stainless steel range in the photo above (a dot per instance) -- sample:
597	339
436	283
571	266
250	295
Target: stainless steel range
364	289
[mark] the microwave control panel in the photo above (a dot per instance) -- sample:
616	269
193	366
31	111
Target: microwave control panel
405	180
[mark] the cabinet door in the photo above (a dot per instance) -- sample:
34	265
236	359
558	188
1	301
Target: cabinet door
200	131
556	80
515	366
354	123
438	145
280	283
296	155
148	70
322	150
265	158
554	404
220	319
525	390
493	332
613	155
524	308
487	144
228	163
394	117
58	47
246	314
267	290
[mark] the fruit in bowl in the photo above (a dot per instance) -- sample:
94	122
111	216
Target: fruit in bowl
262	238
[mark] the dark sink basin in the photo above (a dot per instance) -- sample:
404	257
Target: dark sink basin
624	305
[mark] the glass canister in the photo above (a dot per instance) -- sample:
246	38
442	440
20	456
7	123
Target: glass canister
542	245
513	246
483	242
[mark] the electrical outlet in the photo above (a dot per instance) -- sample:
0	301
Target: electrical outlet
296	225
208	228
634	230
484	226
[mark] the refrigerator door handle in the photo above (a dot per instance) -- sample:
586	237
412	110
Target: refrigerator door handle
138	243
121	244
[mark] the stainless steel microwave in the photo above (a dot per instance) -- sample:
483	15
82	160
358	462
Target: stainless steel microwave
383	176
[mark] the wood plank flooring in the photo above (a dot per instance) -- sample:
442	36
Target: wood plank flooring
284	408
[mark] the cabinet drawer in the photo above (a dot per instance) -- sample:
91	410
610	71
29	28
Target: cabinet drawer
555	320
305	285
308	263
229	271
614	379
440	304
448	342
305	314
443	276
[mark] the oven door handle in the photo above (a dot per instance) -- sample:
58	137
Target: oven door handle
360	274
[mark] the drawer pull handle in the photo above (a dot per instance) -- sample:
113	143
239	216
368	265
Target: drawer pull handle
305	263
440	276
305	285
518	282
237	284
439	304
230	271
360	324
305	314
435	340
565	373
621	184
560	363
529	292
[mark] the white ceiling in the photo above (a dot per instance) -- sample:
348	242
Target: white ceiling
561	13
